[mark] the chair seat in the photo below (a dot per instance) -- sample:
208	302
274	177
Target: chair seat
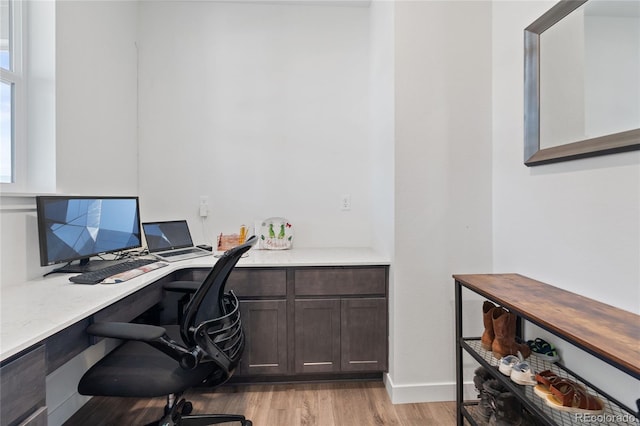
136	369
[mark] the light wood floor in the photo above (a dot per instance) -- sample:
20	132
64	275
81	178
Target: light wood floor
322	404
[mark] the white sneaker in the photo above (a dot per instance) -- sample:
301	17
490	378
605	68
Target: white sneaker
522	374
507	363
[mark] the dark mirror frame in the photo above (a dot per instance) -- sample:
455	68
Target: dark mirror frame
534	156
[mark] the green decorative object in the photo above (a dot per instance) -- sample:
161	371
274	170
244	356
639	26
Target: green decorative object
269	240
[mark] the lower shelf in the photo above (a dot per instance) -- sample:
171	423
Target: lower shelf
615	414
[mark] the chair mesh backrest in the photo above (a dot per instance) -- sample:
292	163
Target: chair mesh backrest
208	302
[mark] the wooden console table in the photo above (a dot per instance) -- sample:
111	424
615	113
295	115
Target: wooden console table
606	332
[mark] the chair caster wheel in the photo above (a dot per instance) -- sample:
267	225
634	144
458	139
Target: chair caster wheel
247	423
187	408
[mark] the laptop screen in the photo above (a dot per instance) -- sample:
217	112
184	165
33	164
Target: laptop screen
168	235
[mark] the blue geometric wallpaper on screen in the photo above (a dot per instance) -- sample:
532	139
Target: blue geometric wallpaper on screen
167	235
84	227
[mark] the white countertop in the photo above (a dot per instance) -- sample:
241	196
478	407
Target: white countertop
34	310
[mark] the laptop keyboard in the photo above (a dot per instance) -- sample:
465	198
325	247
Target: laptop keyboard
180	252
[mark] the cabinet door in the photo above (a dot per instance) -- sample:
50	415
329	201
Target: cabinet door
364	334
265	327
317	336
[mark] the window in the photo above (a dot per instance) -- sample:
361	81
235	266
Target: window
11	88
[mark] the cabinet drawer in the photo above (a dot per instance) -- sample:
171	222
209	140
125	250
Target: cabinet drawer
23	387
66	344
343	281
245	282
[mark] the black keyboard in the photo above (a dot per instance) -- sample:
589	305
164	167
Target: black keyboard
95	277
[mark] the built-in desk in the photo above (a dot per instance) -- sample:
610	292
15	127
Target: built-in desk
43	320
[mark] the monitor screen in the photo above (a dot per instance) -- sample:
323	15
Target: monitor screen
77	227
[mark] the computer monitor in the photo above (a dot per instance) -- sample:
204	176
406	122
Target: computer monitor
79	227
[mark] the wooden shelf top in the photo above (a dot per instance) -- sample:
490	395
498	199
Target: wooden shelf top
609	333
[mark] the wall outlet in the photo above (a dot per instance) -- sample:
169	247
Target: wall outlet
345	202
204	206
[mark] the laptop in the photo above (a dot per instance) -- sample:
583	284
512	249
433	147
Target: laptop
171	241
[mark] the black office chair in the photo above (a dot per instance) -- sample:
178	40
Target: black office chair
205	348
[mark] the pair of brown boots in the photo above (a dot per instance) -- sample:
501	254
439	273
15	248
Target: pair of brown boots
499	333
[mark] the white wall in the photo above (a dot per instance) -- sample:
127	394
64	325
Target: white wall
575	225
442	217
382	123
382	139
88	144
261	107
96	106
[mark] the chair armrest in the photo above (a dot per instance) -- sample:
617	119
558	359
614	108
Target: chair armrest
150	334
126	331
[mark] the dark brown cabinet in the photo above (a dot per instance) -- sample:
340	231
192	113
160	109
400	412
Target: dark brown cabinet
363	334
341	319
312	321
317	336
263	308
23	389
341	335
265	326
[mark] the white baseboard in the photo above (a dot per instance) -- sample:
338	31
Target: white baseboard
63	412
425	392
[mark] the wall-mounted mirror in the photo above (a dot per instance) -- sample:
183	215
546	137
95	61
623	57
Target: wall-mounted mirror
582	81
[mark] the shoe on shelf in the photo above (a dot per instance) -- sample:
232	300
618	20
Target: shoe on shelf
522	374
546	379
481	376
484	406
543	350
507	409
506	364
567	395
504	329
487	335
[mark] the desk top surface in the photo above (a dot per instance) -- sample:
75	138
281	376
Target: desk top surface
34	310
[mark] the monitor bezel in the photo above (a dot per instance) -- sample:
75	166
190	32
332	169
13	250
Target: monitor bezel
41	201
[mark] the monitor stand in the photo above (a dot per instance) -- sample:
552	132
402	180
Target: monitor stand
85	265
